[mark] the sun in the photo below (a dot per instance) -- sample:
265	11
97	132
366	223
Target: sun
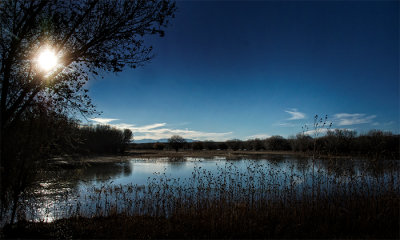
47	59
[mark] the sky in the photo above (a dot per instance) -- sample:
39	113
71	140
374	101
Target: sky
245	70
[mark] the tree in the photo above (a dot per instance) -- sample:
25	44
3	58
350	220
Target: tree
128	135
86	38
210	145
159	146
234	144
197	145
255	144
102	139
176	142
277	143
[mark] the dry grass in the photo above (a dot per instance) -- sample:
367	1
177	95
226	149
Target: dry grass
262	202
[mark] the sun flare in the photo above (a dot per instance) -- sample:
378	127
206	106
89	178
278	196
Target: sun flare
47	59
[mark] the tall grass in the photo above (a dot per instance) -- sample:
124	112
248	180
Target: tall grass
261	202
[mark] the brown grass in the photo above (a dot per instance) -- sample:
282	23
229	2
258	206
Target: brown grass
357	218
259	203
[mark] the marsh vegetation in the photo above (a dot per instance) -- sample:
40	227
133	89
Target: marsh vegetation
50	49
276	196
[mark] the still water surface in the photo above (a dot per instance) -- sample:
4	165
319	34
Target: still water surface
61	193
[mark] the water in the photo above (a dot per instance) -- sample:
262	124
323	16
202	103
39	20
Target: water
103	188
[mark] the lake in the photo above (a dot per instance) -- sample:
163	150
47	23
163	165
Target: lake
153	186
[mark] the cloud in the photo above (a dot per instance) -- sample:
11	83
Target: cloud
295	115
185	133
345	119
188	134
103	120
123	125
260	136
323	131
286	124
147	127
159	131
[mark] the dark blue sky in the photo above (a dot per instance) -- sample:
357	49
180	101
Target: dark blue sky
254	69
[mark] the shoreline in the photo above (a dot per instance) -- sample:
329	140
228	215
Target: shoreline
206	153
221	218
71	162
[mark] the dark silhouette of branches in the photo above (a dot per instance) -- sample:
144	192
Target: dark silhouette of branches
375	144
176	142
88	37
102	139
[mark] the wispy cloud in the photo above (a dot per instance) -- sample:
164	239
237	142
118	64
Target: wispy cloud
159	131
148	127
345	119
103	120
260	136
286	124
323	131
295	115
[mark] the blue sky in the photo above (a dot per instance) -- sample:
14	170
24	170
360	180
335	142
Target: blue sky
255	69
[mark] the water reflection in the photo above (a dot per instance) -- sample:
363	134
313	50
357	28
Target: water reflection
60	192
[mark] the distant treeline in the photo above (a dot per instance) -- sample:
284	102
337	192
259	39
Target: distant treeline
337	142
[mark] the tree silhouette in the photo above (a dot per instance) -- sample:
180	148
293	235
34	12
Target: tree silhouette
176	142
128	135
87	38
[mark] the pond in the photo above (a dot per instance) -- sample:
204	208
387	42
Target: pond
156	185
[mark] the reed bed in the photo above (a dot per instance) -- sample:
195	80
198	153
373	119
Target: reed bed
259	202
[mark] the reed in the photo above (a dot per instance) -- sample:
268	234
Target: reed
261	202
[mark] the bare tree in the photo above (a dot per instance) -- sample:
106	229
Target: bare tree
176	142
86	36
78	40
